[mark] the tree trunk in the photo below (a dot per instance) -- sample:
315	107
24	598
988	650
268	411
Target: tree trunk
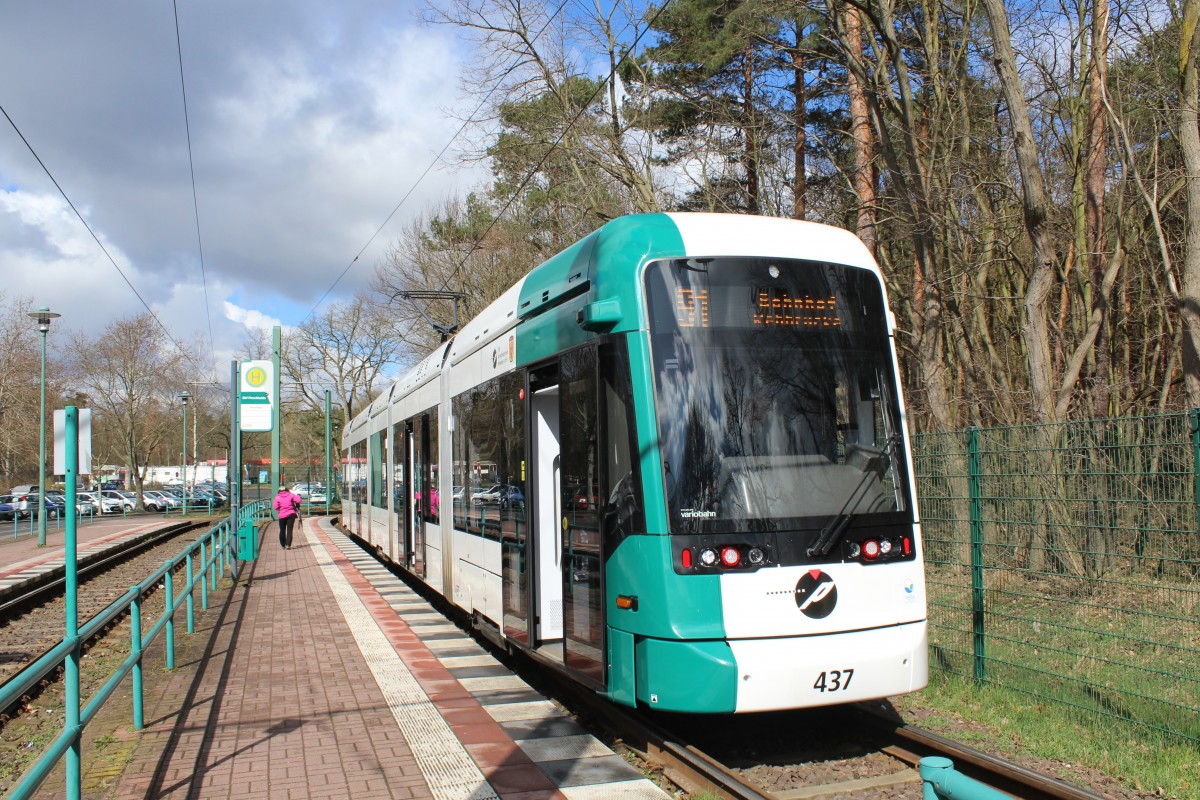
748	117
1189	142
1094	203
860	128
800	183
1035	329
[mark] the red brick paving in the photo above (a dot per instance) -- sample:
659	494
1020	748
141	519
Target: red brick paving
262	718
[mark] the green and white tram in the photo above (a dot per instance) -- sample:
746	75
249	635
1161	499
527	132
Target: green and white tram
671	461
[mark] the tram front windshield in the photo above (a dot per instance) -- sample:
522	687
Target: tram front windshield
776	398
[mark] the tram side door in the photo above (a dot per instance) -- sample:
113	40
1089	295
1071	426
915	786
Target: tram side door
404	496
582	564
546	513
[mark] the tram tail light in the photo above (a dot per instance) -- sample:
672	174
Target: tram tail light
906	546
731	556
686	557
870	549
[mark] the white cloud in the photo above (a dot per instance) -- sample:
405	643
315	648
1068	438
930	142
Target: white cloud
307	127
249	318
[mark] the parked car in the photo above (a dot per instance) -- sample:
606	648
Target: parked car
53	508
110	506
82	507
502	494
7	510
18	502
24	488
310	492
159	501
126	503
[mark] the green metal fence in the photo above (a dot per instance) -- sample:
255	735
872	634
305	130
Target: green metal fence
1063	560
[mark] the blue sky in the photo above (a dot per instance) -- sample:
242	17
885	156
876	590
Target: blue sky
309	121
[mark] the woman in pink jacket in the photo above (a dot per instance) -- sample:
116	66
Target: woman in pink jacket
287	508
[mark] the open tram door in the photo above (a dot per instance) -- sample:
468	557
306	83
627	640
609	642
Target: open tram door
568	581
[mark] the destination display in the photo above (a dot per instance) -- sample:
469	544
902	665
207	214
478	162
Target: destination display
768	307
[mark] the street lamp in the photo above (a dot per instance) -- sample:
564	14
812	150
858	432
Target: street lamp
43	316
184	396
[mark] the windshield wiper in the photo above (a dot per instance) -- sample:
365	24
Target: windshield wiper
833	531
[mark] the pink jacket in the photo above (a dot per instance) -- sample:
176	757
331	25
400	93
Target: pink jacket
287	504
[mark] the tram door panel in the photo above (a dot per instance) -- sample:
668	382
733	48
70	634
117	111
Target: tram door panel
546	514
582	565
422	499
402	490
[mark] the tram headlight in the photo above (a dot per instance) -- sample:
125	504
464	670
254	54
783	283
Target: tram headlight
708	557
756	555
885	547
731	556
855	550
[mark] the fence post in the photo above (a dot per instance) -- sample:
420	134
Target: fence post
191	603
1195	416
974	484
170	610
135	625
203	578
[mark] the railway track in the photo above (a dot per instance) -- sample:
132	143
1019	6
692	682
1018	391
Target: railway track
840	752
31	621
846	752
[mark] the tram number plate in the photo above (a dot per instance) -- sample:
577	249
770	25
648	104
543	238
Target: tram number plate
833	680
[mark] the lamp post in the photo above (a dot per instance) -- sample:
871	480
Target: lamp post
184	396
43	316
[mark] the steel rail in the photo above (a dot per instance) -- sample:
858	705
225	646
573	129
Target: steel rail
695	771
31	675
48	582
913	743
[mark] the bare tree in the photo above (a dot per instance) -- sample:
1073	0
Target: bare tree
19	391
531	57
1189	141
132	374
346	349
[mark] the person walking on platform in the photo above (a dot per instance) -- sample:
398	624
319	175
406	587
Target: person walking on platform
287	508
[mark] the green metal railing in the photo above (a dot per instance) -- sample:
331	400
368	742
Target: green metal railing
941	781
202	563
1062	561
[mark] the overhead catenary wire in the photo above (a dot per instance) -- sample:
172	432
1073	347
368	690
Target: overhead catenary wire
103	249
195	202
469	121
550	151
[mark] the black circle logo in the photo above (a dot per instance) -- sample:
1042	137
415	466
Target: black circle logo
816	594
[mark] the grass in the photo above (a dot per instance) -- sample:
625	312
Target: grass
1056	738
1103	673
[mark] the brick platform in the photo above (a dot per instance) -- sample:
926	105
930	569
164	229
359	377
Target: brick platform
328	678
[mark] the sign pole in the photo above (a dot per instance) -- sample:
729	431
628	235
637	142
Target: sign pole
71	565
328	452
233	472
276	404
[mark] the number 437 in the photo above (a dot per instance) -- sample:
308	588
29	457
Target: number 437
834	680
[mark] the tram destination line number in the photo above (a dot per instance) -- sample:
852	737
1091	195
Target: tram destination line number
833	680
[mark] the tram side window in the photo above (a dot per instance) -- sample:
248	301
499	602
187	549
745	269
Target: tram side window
420	469
432	509
399	478
378	469
354	472
623	512
460	407
490	444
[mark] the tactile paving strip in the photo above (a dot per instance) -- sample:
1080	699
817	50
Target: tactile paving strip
448	768
578	764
